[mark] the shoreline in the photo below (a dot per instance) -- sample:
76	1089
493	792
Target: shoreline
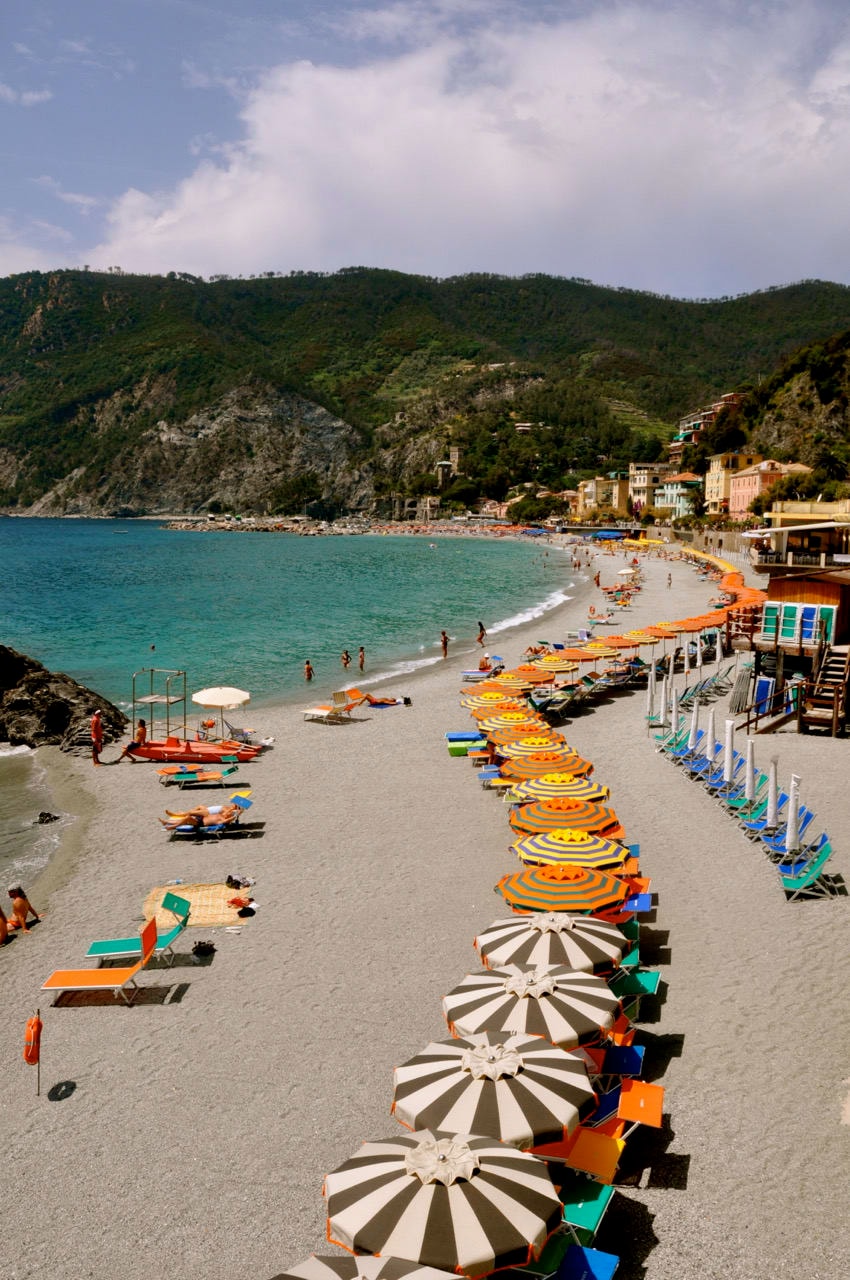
375	867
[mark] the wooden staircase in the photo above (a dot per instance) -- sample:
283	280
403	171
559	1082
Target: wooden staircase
824	701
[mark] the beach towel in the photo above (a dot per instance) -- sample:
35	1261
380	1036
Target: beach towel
208	902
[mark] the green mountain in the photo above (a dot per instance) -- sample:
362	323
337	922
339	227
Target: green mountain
139	393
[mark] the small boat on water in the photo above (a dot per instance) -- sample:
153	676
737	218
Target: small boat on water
196	751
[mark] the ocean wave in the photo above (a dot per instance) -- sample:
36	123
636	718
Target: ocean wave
552	601
6	749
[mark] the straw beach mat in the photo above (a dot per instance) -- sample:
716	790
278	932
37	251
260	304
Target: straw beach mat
207	902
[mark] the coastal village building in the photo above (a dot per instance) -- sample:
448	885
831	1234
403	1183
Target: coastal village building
721	468
692	425
603	493
645	479
679	494
746	485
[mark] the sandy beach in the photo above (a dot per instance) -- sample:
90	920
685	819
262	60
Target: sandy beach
202	1120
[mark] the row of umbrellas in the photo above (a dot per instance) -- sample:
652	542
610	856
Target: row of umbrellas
461	1192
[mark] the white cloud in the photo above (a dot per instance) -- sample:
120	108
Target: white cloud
659	147
23	97
83	203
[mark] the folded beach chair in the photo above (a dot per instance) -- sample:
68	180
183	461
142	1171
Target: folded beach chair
583	1263
807	880
121	948
119	981
339	709
775	842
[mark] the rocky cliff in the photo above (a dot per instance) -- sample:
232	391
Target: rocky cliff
39	707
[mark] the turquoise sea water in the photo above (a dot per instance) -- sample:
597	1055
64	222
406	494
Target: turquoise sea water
101	599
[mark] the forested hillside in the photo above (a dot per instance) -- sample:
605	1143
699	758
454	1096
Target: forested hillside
272	391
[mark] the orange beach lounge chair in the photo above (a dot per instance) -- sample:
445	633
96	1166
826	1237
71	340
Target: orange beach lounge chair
115	980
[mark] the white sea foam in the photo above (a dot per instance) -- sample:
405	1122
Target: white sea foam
6	749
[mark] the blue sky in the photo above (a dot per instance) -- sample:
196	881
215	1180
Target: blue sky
695	149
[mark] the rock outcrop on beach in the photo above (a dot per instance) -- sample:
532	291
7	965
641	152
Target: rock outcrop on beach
40	707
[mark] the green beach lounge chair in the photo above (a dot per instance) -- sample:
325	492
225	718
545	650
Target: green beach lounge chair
121	948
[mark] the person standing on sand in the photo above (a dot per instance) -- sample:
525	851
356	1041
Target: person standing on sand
308	671
345	659
482	632
96	737
669	581
444	644
361	657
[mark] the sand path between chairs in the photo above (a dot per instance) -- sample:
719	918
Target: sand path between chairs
202	1120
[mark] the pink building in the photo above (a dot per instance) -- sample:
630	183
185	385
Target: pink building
746	485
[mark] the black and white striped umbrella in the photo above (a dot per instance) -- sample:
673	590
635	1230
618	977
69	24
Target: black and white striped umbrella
582	943
519	1089
566	1007
458	1202
345	1267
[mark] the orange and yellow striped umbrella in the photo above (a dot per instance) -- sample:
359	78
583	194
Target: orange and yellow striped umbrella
539	763
564	811
563	888
546	739
496	706
530	744
559	783
567	845
506	719
553	661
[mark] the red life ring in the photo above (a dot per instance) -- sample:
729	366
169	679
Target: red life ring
32	1040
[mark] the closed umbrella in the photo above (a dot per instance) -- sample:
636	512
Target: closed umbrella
566	1007
771	817
565	844
514	1088
564	811
559	783
711	738
582	943
693	736
675	715
650	694
562	888
729	753
792	823
662	711
750	774
459	1202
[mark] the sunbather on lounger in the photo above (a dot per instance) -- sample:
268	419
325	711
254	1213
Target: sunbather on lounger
214	815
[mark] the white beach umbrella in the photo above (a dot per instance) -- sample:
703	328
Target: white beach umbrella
750	774
711	738
221	698
650	693
662	711
792	826
729	753
772	814
693	736
699	653
675	714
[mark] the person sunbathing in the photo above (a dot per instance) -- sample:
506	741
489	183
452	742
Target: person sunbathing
214	815
21	910
381	702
